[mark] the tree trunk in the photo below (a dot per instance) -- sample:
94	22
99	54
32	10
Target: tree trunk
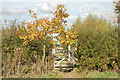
43	59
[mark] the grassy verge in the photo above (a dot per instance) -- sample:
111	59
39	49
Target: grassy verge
102	75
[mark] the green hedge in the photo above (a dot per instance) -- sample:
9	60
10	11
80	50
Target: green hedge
97	45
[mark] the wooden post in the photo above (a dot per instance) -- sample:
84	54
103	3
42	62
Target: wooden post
43	53
53	52
69	52
68	47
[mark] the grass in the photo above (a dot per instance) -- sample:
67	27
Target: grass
93	74
103	75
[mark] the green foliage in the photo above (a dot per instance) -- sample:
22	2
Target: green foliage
97	44
77	24
10	39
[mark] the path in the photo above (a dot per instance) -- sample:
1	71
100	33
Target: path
71	74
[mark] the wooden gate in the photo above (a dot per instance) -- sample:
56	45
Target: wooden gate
63	59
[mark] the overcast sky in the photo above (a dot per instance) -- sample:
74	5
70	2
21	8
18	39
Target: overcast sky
18	9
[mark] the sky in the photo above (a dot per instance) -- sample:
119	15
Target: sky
18	9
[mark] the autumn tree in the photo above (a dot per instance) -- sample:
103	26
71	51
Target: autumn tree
65	37
43	29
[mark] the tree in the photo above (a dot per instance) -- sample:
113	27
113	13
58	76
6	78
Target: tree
64	37
43	29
